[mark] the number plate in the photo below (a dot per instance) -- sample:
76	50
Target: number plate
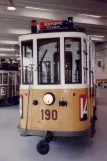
83	107
49	115
3	91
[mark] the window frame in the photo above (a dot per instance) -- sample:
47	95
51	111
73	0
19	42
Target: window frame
58	50
24	55
79	38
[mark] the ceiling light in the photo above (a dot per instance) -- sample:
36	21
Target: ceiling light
8	42
11	6
6	49
18	58
7	55
94	16
99	36
100	59
35	8
44	9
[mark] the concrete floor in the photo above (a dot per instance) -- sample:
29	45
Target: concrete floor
13	147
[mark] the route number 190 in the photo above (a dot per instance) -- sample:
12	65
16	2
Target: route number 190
48	115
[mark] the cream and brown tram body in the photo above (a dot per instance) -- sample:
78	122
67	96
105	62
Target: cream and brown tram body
57	92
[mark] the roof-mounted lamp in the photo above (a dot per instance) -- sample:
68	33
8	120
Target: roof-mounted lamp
11	6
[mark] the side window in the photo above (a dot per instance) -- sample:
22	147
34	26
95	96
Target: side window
10	78
85	60
13	78
73	67
91	71
90	68
5	78
27	61
18	78
89	64
93	74
0	78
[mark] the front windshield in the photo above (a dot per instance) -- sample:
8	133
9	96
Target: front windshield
48	61
73	65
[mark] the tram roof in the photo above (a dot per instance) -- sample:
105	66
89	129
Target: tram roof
54	29
52	34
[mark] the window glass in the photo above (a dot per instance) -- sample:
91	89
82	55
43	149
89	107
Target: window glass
85	60
91	72
18	77
10	78
0	78
48	61
13	78
90	65
5	78
27	62
73	66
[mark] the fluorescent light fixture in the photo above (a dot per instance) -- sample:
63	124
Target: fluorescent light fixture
7	55
36	8
100	59
98	36
8	42
18	58
11	6
6	49
45	9
94	16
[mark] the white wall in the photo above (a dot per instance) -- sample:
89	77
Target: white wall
101	52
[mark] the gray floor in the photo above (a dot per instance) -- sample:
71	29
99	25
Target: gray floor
13	147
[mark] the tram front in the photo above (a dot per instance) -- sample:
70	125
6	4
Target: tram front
55	85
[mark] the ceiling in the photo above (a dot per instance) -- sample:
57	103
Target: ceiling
18	22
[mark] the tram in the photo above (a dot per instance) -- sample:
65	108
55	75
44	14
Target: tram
57	92
9	83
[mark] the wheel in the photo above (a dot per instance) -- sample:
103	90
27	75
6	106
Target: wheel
43	147
16	101
92	129
10	101
55	138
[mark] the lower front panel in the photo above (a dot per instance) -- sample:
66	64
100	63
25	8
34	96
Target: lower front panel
23	132
73	116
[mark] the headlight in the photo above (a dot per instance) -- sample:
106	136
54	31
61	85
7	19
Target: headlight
49	99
